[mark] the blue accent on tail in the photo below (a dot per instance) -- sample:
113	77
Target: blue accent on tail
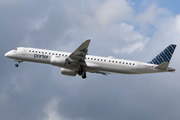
164	56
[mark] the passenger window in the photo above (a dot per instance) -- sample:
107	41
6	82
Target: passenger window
104	60
123	62
36	51
91	58
45	52
129	63
109	61
120	62
42	52
94	58
59	54
39	52
32	51
52	53
29	50
49	53
116	61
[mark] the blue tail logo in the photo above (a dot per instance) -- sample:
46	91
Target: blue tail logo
164	56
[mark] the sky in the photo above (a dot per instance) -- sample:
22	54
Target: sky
126	29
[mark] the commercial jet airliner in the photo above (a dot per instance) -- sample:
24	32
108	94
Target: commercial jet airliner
79	62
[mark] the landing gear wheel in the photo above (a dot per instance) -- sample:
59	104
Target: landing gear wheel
16	65
84	76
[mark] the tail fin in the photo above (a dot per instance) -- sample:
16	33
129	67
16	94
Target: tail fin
164	56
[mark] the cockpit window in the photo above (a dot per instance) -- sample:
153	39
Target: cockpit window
15	49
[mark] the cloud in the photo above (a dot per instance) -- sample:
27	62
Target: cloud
178	23
132	40
135	47
51	110
127	33
104	23
151	13
39	23
101	13
112	11
115	50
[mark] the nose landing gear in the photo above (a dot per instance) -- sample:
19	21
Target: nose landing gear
17	64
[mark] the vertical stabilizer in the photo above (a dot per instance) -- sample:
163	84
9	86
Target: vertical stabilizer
164	56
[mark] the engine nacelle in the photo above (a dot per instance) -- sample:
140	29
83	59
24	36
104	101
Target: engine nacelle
58	61
68	72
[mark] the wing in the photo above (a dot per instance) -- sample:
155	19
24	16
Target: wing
80	53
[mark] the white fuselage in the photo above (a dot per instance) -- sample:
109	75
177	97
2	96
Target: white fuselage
93	63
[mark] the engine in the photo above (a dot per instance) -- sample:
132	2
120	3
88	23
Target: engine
58	61
62	62
68	72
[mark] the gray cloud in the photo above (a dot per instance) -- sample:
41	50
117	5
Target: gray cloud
40	92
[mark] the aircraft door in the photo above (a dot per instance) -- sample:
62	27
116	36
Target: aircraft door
24	51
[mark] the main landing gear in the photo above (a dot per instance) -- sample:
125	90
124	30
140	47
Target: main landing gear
84	75
82	72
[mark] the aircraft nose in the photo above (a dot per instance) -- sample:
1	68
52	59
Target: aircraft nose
6	55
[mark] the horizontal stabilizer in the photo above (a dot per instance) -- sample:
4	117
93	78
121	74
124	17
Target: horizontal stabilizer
170	69
163	65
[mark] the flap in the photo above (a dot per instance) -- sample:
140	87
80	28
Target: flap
101	72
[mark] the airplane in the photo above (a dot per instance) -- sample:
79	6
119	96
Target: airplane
79	62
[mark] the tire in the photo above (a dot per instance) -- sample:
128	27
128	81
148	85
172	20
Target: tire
16	65
84	76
